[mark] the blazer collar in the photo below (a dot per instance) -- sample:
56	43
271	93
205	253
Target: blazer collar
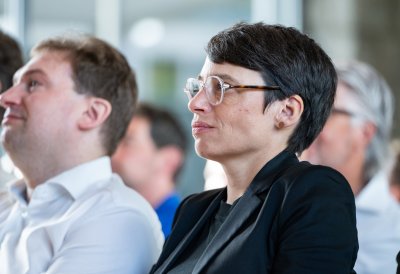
247	204
272	170
239	214
193	233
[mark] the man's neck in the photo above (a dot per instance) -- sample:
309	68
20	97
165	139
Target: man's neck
354	175
38	173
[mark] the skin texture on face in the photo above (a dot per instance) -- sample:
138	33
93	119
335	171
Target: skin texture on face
240	133
40	107
135	159
236	126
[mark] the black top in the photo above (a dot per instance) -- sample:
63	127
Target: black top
293	218
398	263
192	254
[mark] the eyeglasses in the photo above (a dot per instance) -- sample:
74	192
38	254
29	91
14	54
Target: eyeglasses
215	88
342	112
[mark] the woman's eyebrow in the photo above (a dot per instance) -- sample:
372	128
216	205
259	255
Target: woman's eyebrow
223	76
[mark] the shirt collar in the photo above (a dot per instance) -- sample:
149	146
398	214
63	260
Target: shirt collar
375	196
80	178
17	190
76	181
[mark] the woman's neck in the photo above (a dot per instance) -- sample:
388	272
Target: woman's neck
240	172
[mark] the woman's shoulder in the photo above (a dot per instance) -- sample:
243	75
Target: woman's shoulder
306	177
318	173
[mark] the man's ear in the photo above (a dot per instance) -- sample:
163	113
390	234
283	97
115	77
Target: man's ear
172	158
96	112
368	132
395	190
290	111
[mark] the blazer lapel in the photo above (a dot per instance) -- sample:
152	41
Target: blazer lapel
247	204
192	234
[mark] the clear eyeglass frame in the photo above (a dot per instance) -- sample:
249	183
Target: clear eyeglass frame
215	88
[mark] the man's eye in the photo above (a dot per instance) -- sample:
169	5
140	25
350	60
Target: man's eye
32	84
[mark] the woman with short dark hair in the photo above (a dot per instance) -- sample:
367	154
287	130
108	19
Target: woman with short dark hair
262	96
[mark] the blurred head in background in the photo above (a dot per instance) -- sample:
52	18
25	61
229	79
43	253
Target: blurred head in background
10	60
355	139
150	157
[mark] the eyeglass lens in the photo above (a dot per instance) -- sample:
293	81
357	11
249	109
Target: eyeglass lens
213	88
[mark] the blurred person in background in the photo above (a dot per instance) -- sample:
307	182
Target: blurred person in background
11	59
214	175
395	172
150	157
355	141
67	110
263	95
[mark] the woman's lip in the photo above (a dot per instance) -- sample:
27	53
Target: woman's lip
200	127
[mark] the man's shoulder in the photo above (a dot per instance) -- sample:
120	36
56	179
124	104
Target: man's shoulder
113	207
116	196
6	203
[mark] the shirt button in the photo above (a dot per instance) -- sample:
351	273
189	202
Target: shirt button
24	212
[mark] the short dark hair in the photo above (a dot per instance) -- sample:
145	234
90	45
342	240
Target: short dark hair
165	129
287	58
100	70
10	61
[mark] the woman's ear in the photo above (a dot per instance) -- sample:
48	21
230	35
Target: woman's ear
96	112
290	112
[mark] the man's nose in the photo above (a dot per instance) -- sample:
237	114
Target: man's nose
11	96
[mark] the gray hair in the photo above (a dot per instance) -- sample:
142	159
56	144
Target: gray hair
376	105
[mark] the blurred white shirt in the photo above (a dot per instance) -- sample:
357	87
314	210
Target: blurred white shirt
84	220
378	224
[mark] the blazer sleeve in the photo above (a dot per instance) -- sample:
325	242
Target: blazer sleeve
317	225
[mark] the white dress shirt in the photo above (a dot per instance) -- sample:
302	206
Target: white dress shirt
84	220
378	224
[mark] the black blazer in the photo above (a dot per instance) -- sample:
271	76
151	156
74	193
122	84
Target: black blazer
294	218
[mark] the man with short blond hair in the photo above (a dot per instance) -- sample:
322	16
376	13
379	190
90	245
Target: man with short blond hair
67	110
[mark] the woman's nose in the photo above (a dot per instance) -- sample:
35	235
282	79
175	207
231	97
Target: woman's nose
199	103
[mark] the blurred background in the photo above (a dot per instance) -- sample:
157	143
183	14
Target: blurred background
164	40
